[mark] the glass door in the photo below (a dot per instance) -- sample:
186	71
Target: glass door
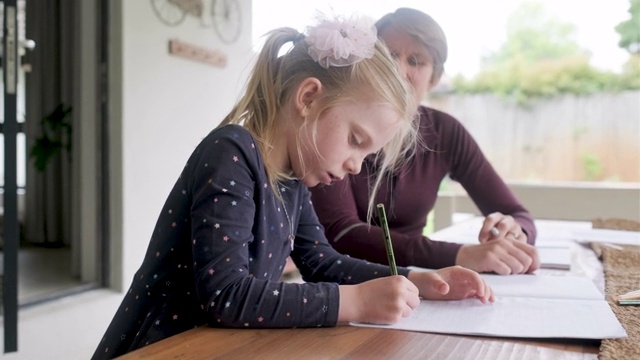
48	248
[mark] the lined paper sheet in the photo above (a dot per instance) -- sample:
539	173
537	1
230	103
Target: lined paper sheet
515	317
527	306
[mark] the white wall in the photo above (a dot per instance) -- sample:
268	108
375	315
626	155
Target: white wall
168	105
162	106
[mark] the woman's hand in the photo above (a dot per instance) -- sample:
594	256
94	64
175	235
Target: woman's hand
503	248
380	301
452	283
499	226
501	256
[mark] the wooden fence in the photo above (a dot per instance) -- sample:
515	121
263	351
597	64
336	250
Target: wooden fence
567	138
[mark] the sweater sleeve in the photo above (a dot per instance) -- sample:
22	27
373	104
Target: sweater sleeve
349	233
475	173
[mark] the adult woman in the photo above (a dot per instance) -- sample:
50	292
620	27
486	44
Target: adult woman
508	232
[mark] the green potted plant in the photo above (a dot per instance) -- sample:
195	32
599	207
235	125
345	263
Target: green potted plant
55	136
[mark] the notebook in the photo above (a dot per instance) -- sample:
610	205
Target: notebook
527	306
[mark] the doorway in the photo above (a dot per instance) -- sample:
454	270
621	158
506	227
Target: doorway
61	193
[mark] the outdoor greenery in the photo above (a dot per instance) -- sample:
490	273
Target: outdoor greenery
540	58
630	30
592	167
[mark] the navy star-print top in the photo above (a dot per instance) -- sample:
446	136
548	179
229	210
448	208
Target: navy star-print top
219	248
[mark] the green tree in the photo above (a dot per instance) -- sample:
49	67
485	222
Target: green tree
629	30
540	58
532	36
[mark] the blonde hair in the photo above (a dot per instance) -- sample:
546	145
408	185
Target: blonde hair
275	78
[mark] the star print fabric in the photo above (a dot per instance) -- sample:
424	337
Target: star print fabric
219	248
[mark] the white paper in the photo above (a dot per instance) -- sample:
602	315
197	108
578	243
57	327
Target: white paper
527	306
608	236
554	257
554	242
543	286
515	317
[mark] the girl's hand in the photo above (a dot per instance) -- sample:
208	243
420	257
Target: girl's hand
380	301
452	283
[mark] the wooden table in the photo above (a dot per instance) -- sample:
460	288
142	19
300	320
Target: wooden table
349	342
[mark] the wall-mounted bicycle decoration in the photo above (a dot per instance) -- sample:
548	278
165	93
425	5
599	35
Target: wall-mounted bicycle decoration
223	15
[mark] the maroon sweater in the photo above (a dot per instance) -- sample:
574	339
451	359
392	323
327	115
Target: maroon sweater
410	196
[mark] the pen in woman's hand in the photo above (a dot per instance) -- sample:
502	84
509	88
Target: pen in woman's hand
494	231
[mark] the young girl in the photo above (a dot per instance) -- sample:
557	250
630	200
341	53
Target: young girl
241	205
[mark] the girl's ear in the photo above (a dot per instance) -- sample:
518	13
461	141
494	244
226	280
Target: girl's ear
309	90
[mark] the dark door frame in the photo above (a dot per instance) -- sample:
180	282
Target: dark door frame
11	231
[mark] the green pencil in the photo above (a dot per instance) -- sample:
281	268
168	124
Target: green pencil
387	239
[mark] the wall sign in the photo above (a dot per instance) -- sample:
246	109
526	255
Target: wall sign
197	53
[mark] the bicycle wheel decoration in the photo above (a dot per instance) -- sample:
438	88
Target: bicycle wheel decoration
168	12
227	19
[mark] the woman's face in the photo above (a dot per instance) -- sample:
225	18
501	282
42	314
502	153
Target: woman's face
415	62
346	134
